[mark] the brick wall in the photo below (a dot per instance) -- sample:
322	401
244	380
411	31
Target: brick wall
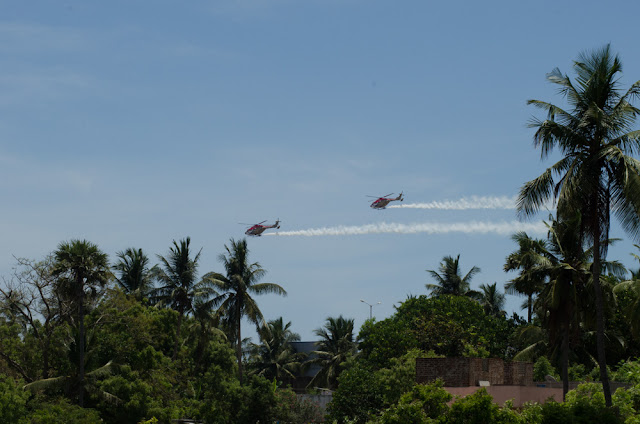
463	372
518	374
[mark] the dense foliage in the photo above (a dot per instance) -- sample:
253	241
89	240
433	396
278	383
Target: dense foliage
134	370
448	325
85	341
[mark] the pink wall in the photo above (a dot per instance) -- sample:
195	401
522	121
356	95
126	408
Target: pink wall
519	394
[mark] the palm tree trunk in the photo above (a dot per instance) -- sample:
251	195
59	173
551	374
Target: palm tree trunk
80	296
565	359
529	308
602	360
178	328
239	343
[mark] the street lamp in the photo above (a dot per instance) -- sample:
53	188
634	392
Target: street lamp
370	307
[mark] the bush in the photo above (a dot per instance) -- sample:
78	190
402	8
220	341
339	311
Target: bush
628	371
556	413
358	395
12	400
424	403
542	368
291	409
62	412
476	408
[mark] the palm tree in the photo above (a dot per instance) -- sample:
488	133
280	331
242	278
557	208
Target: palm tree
134	275
596	174
65	382
237	286
530	260
179	286
275	357
492	300
336	345
632	287
450	280
565	302
560	300
80	267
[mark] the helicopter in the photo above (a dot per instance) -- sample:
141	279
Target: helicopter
382	202
258	229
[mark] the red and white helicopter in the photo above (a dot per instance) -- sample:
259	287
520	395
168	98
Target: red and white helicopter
382	202
258	229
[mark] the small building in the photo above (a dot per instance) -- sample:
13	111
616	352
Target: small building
502	380
300	383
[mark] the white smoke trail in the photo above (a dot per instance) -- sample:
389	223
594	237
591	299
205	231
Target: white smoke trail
471	227
473	202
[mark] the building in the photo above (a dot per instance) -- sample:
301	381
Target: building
502	380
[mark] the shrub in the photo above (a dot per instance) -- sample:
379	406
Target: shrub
12	400
542	368
422	404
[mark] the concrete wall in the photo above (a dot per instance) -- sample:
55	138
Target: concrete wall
518	394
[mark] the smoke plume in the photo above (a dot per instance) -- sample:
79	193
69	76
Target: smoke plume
473	202
471	227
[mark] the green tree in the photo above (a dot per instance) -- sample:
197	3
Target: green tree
491	299
180	288
559	301
450	280
596	174
134	274
296	410
237	288
31	298
447	325
62	412
530	260
335	347
364	392
206	325
424	403
275	357
13	401
80	267
358	396
89	384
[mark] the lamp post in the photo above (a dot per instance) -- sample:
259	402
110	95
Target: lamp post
370	308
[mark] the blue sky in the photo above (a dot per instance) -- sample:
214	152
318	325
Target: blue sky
134	123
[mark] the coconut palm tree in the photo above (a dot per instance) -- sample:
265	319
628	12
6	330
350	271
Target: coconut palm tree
565	302
336	345
237	288
492	300
134	275
205	328
560	300
530	260
450	281
179	287
81	269
275	357
596	174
